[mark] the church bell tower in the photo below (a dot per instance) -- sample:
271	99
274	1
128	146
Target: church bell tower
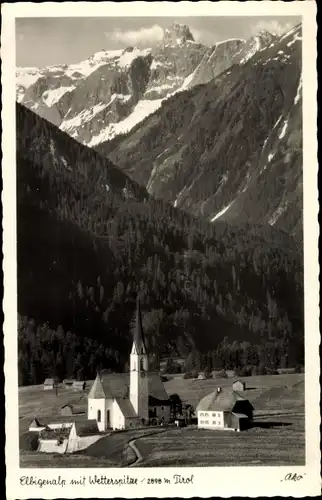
139	382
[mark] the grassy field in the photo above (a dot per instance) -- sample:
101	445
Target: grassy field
257	387
277	441
278	438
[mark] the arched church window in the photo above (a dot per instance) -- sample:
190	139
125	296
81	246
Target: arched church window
98	415
141	364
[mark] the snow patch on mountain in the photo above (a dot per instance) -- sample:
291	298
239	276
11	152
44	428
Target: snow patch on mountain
88	66
128	57
222	212
298	92
143	109
283	131
50	97
27	76
277	214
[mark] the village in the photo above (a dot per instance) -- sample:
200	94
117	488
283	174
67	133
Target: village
138	403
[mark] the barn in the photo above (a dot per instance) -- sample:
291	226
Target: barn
68	382
239	385
225	410
79	385
82	434
50	383
67	409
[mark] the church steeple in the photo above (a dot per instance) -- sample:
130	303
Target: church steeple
139	376
138	337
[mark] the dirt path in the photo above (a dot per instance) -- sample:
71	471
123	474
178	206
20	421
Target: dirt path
131	443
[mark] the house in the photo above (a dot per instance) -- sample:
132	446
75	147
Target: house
66	409
50	384
238	385
224	409
79	385
68	382
201	376
285	371
54	440
123	400
36	426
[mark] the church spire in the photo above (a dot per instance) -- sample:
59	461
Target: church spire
138	339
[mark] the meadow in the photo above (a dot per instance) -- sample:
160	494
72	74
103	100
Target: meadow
277	437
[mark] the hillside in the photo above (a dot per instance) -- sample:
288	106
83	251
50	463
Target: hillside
90	239
229	149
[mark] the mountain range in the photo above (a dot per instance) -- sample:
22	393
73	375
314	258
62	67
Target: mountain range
197	208
231	148
111	91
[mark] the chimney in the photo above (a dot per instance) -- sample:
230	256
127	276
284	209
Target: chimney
218	389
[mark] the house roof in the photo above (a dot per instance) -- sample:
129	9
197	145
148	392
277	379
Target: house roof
50	381
56	419
67	404
126	408
78	382
238	380
86	428
240	415
115	385
224	400
35	423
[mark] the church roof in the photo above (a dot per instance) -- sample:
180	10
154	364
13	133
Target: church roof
116	385
138	338
223	400
86	428
97	390
126	408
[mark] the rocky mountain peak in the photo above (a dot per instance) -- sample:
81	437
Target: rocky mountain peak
177	34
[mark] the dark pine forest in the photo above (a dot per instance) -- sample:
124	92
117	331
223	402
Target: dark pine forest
90	240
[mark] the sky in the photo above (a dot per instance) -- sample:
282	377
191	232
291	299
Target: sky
50	41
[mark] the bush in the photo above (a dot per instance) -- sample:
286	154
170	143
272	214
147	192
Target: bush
29	441
187	375
221	374
208	374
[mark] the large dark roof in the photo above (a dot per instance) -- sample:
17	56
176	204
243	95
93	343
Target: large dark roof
116	385
86	428
126	408
225	400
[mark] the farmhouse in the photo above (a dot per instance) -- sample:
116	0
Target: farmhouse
238	385
123	400
66	409
224	409
36	426
50	384
68	382
79	385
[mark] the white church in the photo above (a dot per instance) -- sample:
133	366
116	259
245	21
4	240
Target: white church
123	400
